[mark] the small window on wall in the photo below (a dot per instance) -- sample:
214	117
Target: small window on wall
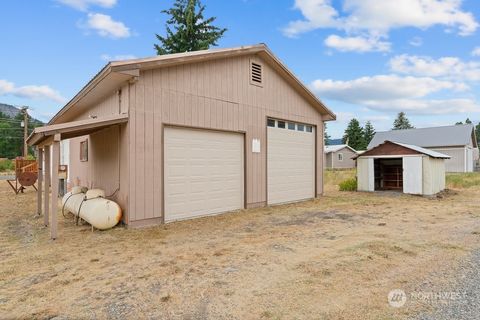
309	128
340	157
271	123
291	126
84	150
281	124
301	127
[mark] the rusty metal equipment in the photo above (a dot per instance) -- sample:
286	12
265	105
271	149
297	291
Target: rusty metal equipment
26	175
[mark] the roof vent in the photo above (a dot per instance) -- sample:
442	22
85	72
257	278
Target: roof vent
256	76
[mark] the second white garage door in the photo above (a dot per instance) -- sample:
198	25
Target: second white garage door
290	161
204	173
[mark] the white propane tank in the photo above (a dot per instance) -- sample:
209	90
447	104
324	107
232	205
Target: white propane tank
92	207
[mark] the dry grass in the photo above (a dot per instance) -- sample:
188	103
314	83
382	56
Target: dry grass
332	258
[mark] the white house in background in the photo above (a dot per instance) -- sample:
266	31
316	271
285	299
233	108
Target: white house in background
340	157
459	142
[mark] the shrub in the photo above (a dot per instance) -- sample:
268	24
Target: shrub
348	185
6	165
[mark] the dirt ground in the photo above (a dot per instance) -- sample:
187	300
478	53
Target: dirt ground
336	257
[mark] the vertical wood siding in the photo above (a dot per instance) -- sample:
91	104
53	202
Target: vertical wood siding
110	105
433	175
107	163
212	95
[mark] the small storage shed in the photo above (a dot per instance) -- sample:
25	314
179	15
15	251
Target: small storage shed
401	167
339	157
458	141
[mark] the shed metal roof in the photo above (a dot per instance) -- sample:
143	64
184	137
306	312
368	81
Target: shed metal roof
421	150
458	135
427	152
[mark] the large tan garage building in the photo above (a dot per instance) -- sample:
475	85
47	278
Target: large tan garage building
193	134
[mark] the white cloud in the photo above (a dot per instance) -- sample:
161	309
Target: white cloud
416	41
378	17
317	13
105	26
30	91
382	87
83	5
445	67
476	52
118	57
428	106
373	18
357	44
395	93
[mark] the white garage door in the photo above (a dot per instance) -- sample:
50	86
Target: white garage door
204	173
290	161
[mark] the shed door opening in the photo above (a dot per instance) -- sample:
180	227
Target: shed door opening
204	173
388	174
290	162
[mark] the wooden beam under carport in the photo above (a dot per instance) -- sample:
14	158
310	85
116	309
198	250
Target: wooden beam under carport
55	166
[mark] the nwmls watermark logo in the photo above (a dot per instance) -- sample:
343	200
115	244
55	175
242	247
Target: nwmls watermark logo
397	297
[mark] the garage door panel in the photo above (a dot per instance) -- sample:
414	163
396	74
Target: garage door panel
204	173
291	165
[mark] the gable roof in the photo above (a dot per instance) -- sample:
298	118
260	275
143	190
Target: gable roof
418	149
458	135
117	72
336	148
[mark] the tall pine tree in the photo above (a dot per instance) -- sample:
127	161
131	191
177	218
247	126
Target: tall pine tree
326	136
477	132
354	135
402	122
368	133
187	29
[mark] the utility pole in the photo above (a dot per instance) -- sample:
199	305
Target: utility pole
25	131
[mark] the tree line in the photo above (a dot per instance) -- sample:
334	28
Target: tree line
359	137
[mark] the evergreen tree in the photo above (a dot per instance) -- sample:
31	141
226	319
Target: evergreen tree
187	29
326	135
402	122
477	132
354	135
468	121
369	132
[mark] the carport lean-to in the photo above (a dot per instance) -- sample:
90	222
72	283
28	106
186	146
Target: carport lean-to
47	140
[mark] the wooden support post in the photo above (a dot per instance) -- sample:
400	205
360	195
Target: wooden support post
55	165
46	191
40	181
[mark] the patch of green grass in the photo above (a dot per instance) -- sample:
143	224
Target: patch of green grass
348	185
463	180
6	165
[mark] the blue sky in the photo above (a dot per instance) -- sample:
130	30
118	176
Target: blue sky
367	59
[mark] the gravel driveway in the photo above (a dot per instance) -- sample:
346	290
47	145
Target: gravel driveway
468	291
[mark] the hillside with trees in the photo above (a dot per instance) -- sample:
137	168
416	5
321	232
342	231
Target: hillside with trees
11	131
